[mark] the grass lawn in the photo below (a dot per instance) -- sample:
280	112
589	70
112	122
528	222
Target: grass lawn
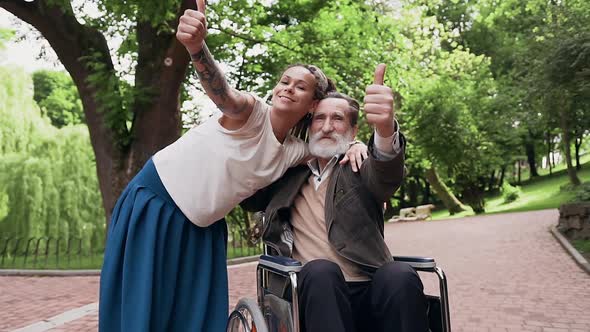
242	251
583	246
90	262
537	194
545	171
53	263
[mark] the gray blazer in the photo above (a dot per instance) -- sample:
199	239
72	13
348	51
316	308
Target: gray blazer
354	208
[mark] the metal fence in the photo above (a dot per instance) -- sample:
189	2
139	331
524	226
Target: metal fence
49	252
77	253
239	245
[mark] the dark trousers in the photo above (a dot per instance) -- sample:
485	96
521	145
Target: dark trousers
392	301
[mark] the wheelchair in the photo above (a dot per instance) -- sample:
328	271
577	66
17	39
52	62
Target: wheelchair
276	308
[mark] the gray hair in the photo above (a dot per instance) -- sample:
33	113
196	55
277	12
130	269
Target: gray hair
353	106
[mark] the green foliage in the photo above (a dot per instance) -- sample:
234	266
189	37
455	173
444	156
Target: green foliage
114	96
157	12
448	113
539	51
510	193
48	183
544	192
476	79
346	39
582	193
18	112
58	98
583	246
5	35
569	64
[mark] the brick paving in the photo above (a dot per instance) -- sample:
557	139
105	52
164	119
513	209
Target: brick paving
26	300
506	273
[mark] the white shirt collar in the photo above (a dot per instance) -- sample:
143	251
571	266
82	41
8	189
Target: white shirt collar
320	176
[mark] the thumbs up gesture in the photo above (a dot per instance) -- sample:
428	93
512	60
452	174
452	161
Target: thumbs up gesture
192	28
379	104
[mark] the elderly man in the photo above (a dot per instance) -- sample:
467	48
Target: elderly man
331	219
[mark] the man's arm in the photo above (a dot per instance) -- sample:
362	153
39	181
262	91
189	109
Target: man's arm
383	176
191	32
383	171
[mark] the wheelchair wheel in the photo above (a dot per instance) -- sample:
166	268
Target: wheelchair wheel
246	317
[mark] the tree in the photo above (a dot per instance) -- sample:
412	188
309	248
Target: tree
568	69
452	119
5	35
527	42
48	184
126	126
56	95
130	121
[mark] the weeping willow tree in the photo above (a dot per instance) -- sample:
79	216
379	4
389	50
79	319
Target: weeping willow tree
48	182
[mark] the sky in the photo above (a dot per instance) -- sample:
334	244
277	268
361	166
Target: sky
25	53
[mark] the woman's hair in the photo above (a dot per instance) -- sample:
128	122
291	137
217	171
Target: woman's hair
324	86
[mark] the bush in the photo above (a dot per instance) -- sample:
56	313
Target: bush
510	193
582	193
48	182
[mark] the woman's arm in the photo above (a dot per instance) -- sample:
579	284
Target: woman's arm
231	102
192	30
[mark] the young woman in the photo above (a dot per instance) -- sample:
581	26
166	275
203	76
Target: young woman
165	259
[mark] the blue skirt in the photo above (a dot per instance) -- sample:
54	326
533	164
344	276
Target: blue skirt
161	272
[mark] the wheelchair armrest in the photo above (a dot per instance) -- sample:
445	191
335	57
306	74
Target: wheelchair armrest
280	263
417	262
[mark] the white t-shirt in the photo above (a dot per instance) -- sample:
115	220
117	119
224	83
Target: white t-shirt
210	170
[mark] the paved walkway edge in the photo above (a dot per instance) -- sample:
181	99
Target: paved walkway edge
580	260
90	273
60	319
49	273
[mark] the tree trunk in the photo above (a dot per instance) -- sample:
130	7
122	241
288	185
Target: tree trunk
402	196
412	191
388	212
531	156
566	140
549	150
502	173
577	145
426	193
162	63
518	172
442	191
492	182
473	195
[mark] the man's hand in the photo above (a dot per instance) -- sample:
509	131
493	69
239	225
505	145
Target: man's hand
379	104
192	28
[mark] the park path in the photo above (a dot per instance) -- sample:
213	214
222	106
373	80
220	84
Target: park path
506	273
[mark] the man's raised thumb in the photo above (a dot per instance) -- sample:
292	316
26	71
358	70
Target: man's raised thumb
201	6
379	74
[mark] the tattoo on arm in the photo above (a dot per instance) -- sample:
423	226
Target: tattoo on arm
216	85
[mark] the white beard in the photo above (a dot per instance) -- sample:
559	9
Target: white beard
328	149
